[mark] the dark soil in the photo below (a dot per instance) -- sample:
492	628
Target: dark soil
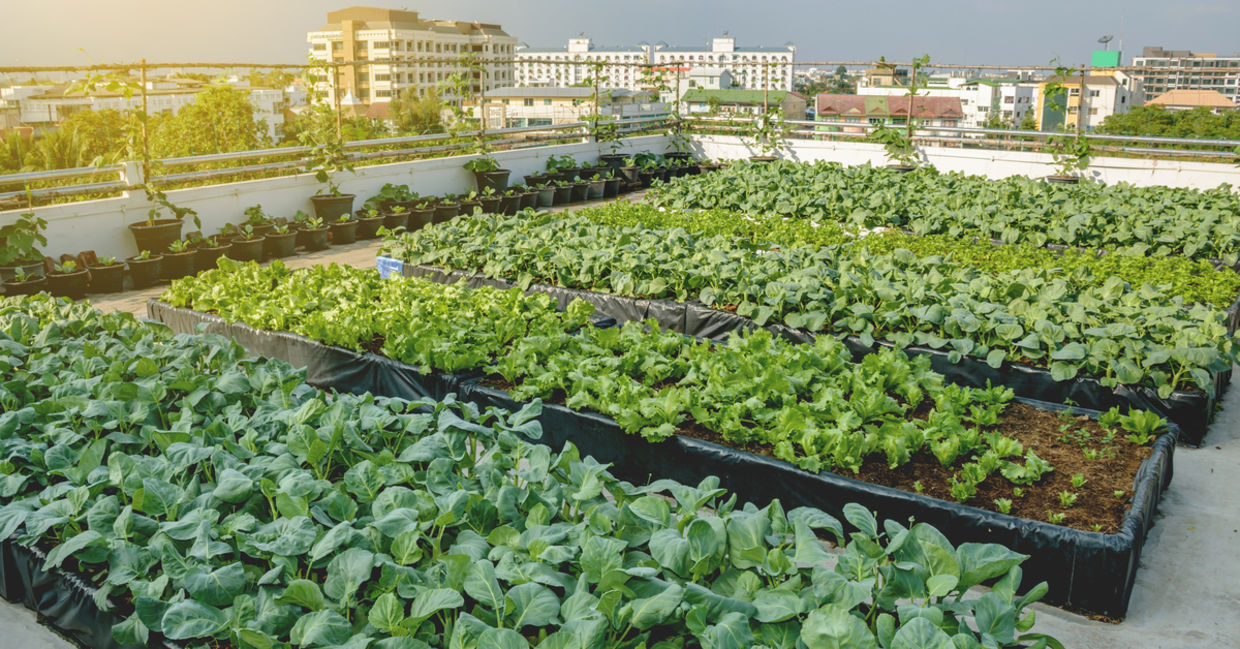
375	344
1038	431
1114	470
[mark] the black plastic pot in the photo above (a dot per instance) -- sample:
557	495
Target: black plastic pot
176	265
581	191
392	221
315	239
276	245
546	197
329	208
567	175
30	268
467	207
612	160
611	187
491	205
563	194
529	200
1063	180
646	178
206	258
538	179
446	212
346	232
677	155
762	158
157	235
368	226
420	218
107	279
510	204
263	228
630	174
247	249
145	272
497	180
28	287
595	189
70	285
901	168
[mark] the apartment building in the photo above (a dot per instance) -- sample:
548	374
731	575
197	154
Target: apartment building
754	68
1106	94
885	110
578	63
732	101
1007	99
1185	70
393	50
541	106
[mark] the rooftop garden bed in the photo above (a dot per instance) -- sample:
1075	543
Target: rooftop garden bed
215	500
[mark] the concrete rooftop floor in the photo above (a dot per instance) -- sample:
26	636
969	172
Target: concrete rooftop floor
1187	592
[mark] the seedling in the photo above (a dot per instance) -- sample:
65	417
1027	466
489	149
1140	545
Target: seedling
1004	505
918	487
178	246
1056	518
107	261
1118	493
144	254
1078	480
1067	498
1017	492
1142	426
1096	527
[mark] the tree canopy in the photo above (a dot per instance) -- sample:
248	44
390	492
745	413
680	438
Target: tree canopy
1158	121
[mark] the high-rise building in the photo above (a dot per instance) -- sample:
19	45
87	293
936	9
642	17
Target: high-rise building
752	68
396	50
1185	70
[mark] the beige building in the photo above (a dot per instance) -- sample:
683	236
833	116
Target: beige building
1166	70
1191	99
397	49
514	107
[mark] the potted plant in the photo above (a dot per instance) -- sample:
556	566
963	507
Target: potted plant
902	155
17	246
314	232
422	215
1071	155
562	167
178	262
487	173
248	245
327	158
546	195
764	133
396	217
563	192
157	234
511	203
209	252
581	189
649	172
229	232
629	170
490	200
280	242
368	223
144	268
344	228
68	280
22	283
534	180
107	275
611	185
447	209
471	203
595	186
257	219
529	197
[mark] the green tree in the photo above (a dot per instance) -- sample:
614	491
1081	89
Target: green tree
220	120
415	113
1158	121
105	133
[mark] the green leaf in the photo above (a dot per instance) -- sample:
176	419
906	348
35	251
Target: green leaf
432	600
481	585
920	633
387	613
532	605
648	612
832	627
190	619
320	629
217	587
304	593
777	605
982	561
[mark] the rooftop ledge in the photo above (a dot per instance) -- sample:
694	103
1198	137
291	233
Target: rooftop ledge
100	225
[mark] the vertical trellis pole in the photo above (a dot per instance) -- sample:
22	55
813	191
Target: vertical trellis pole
146	145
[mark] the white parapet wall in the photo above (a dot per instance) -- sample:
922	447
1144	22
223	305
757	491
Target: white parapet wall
989	162
101	225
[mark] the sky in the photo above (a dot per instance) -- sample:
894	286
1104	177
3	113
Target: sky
80	32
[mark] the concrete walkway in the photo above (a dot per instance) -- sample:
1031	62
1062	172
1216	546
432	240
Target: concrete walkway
1187	594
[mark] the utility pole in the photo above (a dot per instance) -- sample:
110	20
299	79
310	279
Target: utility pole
1082	105
146	146
336	102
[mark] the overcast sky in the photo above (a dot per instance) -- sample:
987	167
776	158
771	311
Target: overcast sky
1001	32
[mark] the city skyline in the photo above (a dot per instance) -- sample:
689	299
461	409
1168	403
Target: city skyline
959	31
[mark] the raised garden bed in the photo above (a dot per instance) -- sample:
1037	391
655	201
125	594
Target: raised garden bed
1089	571
1190	411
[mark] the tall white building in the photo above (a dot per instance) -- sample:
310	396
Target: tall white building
748	68
1185	70
395	50
572	65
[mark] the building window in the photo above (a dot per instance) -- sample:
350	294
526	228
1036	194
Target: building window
529	101
546	102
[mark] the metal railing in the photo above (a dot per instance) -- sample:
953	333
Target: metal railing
972	137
